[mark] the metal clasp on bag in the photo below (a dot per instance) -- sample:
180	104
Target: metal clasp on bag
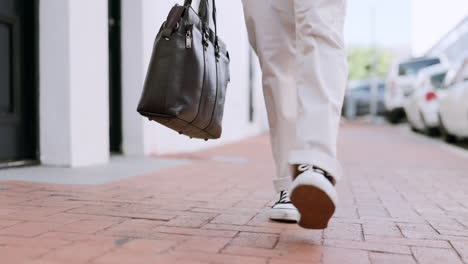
205	37
169	31
189	37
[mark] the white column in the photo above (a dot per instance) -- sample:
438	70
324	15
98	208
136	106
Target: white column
74	82
133	75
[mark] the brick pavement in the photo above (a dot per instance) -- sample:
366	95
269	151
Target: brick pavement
403	200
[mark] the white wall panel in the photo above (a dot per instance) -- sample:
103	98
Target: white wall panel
74	82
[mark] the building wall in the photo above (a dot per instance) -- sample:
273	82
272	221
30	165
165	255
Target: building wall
453	45
74	81
432	19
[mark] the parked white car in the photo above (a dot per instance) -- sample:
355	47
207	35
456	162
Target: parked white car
422	106
453	102
400	83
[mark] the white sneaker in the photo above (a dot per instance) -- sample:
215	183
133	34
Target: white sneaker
314	195
283	210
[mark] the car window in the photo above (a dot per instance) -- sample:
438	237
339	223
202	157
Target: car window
365	88
362	88
413	67
437	80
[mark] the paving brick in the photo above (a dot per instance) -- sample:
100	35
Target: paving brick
65	218
132	225
301	236
189	220
446	224
373	211
346	212
253	229
135	251
435	256
85	226
381	229
370	246
341	255
460	233
462	248
98	210
203	244
207	210
384	258
15	255
193	257
195	231
408	241
81	251
32	242
289	261
346	231
247	239
232	219
70	237
12	200
28	229
424	231
464	222
402	219
254	251
300	252
7	223
402	210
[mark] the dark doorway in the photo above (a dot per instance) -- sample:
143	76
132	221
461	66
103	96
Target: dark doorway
115	80
18	79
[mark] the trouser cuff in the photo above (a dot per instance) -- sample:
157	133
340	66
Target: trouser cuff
317	159
282	184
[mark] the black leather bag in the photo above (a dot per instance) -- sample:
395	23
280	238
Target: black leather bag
186	82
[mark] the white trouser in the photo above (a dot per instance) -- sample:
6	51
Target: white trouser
301	50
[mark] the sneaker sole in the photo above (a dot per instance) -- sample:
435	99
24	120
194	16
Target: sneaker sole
284	215
314	198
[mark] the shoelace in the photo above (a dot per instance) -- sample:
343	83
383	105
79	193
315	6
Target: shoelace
306	167
284	197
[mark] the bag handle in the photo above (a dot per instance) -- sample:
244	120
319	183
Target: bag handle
203	12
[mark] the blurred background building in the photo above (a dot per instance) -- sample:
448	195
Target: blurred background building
71	74
400	29
71	71
453	45
383	35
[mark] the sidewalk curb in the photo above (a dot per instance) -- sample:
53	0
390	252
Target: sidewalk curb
449	148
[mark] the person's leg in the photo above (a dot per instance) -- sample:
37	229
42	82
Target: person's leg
271	29
321	83
272	33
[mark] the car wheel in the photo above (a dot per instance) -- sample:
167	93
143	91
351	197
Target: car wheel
413	127
446	136
430	131
415	130
394	116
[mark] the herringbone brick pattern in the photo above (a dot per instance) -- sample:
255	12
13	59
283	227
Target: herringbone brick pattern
403	200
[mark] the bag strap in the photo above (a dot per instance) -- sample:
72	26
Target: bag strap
203	12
